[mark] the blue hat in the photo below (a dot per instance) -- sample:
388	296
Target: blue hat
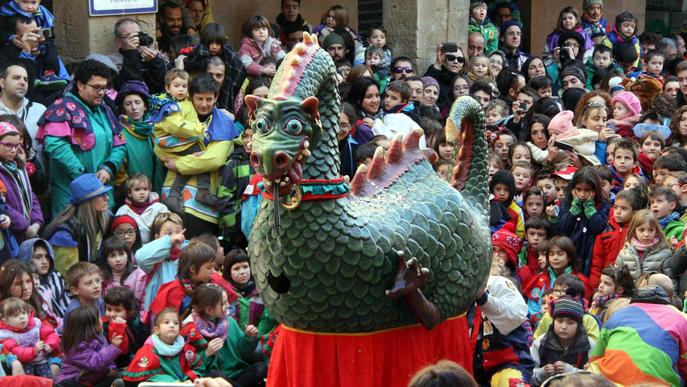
132	87
86	187
508	24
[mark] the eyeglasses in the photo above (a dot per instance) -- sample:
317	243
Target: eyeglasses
455	58
97	88
399	70
122	234
9	147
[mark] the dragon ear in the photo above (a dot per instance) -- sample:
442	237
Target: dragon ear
253	102
310	106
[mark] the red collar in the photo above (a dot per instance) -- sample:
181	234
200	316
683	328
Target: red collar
312	189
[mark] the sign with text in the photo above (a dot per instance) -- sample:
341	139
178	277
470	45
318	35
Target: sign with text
121	7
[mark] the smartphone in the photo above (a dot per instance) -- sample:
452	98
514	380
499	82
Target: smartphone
563	145
449	47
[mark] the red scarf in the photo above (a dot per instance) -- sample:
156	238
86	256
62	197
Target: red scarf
139	208
646	163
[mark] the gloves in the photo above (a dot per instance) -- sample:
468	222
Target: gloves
589	208
576	207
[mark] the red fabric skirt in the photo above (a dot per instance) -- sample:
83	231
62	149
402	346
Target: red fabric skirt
383	358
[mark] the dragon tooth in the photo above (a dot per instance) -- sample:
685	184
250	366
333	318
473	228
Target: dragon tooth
306	152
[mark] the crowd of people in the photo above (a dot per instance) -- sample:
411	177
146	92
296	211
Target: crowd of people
125	177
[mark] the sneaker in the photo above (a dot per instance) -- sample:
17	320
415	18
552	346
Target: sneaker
50	81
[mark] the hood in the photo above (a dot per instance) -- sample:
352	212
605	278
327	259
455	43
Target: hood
26	251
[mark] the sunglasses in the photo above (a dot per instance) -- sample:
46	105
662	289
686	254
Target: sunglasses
455	58
399	70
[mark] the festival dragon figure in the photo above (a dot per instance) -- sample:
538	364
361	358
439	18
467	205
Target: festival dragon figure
332	265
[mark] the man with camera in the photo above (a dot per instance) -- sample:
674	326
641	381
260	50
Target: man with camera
138	58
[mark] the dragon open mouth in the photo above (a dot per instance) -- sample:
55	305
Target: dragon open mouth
284	169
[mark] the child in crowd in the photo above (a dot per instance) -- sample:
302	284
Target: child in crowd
606	178
624	163
121	319
479	68
373	59
626	113
494	164
615	282
141	204
519	152
39	253
664	205
85	284
561	259
536	232
397	110
522	172
443	148
651	145
646	248
257	43
583	141
89	359
678	127
664	165
505	247
494	114
248	308
566	347
502	187
34	342
504	141
652	65
584	214
125	228
226	348
117	266
533	204
602	58
609	243
624	33
196	267
480	22
377	38
22	203
636	181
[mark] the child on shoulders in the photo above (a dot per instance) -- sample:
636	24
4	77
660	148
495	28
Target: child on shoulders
258	43
397	113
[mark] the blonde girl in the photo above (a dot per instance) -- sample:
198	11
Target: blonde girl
646	248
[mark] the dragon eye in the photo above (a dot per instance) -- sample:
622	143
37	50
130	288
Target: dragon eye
261	125
294	127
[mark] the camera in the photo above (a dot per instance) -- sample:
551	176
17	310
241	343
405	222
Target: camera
46	33
449	47
144	39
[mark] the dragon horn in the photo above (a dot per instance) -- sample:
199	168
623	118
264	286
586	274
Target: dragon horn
470	173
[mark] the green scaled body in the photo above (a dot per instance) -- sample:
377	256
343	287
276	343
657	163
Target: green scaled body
339	254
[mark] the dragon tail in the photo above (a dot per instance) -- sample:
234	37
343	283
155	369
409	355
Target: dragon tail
465	124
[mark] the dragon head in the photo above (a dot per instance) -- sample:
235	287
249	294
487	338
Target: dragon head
284	132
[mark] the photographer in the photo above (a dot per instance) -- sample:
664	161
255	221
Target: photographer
449	62
570	52
138	57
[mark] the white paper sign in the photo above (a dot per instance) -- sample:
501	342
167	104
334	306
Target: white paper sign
121	7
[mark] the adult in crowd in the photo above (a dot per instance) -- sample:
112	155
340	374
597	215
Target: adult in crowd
402	67
199	13
200	218
170	20
570	51
475	44
449	62
137	58
511	39
81	134
593	21
335	46
290	21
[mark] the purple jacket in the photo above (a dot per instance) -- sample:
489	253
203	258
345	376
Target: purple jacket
14	203
88	362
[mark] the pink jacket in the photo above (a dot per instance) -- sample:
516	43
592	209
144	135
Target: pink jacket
252	53
21	343
136	281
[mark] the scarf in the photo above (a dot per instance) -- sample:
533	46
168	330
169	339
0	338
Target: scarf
288	27
189	287
643	247
209	330
140	129
246	289
646	163
667	219
140	208
165	349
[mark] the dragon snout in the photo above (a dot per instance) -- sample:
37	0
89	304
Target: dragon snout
281	162
255	159
272	164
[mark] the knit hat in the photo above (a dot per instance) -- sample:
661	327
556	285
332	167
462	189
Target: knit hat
575	71
123	219
508	242
567	306
132	87
588	3
504	177
333	38
508	24
630	101
104	60
571	96
86	187
565	173
561	125
7	128
429	81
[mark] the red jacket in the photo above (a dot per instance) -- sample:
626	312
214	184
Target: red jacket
607	245
27	353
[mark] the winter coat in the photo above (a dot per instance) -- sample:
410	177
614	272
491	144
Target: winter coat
547	349
489	31
53	281
583	231
22	203
21	343
89	361
133	333
679	269
252	53
584	144
144	220
136	282
656	259
606	248
71	245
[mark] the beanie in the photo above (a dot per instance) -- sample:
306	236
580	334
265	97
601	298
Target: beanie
561	125
508	242
575	71
123	219
588	3
333	38
429	81
508	24
630	101
567	306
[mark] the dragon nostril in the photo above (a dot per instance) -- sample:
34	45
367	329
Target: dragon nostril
255	159
281	159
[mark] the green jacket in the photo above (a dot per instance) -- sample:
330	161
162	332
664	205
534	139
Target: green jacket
489	31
